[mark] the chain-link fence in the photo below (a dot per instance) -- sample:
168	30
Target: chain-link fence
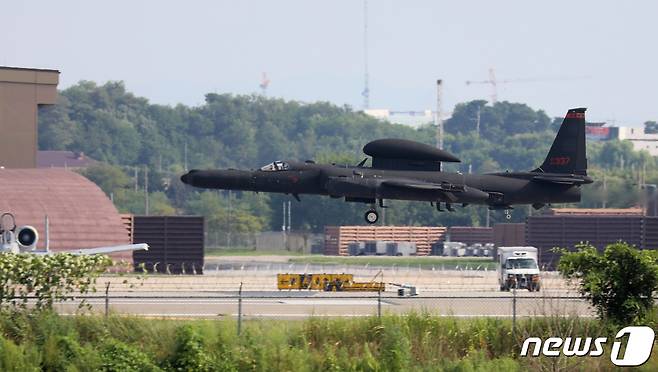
252	292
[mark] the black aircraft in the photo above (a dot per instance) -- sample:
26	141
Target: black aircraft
408	170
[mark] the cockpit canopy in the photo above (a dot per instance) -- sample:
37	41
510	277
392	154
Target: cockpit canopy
275	166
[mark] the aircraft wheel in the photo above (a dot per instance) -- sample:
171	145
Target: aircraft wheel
371	216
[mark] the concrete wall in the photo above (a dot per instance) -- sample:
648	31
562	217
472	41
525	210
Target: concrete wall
22	90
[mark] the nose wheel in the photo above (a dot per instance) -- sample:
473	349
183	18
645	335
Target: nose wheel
371	216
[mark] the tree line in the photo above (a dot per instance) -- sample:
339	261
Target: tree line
137	142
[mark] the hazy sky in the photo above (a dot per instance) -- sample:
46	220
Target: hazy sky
175	51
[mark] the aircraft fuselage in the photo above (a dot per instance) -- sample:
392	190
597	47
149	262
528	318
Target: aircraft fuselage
368	184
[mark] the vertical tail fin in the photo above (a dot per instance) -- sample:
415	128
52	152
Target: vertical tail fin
567	155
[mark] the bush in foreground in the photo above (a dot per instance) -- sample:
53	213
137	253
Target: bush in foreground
47	278
619	282
420	342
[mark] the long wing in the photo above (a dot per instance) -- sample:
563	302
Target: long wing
104	250
444	189
420	185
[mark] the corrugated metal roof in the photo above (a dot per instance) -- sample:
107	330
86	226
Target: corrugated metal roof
80	214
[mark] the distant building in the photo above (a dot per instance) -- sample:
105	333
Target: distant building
410	118
639	139
597	131
64	159
22	90
80	215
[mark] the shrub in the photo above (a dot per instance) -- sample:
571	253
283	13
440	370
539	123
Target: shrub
18	358
50	278
190	354
119	357
619	282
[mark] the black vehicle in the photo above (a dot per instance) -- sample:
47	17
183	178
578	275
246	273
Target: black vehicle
408	170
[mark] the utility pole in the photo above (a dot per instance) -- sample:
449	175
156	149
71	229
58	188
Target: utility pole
228	222
283	227
438	118
477	122
289	219
605	192
185	157
146	190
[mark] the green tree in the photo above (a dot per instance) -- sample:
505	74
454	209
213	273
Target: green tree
651	127
620	282
159	205
109	178
112	125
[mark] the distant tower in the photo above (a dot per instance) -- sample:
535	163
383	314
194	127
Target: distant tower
438	118
366	88
264	83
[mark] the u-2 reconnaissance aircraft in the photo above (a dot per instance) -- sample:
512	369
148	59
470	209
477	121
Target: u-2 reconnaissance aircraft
408	170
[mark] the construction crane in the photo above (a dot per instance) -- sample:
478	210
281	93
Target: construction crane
494	82
264	83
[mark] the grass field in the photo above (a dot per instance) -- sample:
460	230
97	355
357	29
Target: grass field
424	262
415	342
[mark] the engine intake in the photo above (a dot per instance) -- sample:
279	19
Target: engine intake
27	237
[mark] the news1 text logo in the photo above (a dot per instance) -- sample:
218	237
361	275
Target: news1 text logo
638	348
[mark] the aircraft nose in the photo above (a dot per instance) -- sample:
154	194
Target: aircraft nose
229	179
188	177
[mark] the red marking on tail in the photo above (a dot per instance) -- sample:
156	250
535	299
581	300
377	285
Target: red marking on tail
575	115
559	160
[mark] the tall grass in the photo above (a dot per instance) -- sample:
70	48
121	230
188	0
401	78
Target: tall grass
422	342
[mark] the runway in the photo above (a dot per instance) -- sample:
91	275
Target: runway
460	293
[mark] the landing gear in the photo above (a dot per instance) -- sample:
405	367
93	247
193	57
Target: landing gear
371	216
508	215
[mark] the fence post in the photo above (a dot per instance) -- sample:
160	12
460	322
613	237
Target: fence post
514	314
240	310
379	303
107	299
